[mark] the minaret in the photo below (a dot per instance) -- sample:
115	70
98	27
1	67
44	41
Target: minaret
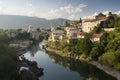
52	29
29	29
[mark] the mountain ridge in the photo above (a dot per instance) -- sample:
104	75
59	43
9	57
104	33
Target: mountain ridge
18	21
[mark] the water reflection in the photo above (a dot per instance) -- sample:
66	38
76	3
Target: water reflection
62	68
33	50
87	71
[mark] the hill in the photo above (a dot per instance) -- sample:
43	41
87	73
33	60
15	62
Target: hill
15	21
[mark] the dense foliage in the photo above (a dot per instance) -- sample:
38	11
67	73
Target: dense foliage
106	52
8	66
112	54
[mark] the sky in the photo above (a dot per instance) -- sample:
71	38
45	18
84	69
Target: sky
51	9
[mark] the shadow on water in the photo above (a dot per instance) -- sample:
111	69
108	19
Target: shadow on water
53	61
87	71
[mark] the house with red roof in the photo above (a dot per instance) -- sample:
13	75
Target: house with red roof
97	37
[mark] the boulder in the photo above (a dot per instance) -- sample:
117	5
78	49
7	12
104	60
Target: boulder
28	75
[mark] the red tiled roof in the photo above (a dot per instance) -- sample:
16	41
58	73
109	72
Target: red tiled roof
80	33
88	20
96	36
101	18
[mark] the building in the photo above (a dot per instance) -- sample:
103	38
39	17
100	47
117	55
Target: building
72	32
89	24
109	29
56	35
97	37
10	33
80	35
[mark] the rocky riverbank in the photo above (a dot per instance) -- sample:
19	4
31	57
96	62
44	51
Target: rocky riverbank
31	72
28	70
106	69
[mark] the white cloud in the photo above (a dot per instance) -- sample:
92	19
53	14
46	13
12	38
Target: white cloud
95	14
68	10
30	4
29	9
72	17
91	16
117	12
80	7
2	7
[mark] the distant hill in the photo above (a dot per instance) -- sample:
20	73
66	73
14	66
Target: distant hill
15	21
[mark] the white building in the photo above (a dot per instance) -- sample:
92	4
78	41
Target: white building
97	37
72	32
10	33
89	24
56	35
80	35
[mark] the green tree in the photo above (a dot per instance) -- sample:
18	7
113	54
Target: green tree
72	44
97	50
111	21
114	44
75	22
84	45
108	58
8	61
63	44
66	23
8	68
23	35
117	23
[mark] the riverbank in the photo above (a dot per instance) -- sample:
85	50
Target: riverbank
27	69
106	69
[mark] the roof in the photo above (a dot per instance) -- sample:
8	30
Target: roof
101	15
80	33
101	18
96	35
58	31
89	20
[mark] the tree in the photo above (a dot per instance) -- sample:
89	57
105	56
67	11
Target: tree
38	29
80	21
97	50
66	23
72	44
8	63
117	23
114	42
84	45
3	37
23	35
75	22
8	68
111	21
63	44
108	58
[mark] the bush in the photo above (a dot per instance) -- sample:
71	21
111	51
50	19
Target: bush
108	58
8	68
117	66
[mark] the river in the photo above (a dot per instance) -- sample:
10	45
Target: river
61	68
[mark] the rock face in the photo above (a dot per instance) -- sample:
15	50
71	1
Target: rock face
33	73
27	75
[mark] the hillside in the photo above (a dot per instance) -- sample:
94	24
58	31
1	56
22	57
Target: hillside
15	21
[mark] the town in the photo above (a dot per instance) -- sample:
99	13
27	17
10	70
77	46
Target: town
77	29
93	40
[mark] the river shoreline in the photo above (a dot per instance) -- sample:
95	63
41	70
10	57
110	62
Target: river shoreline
27	69
104	68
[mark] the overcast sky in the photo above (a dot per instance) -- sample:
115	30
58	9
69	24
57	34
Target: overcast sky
50	9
